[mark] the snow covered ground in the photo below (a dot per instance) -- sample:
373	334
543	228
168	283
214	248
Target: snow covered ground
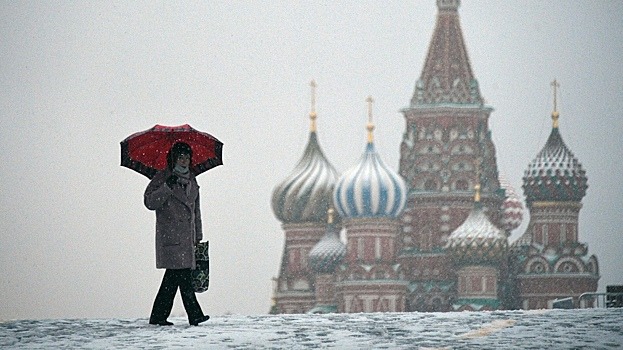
543	329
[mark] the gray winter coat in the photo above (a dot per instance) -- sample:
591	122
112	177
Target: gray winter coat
178	221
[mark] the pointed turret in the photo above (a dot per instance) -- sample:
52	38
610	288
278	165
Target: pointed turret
447	76
446	149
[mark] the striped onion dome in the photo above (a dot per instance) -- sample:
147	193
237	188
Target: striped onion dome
371	188
328	253
512	207
305	195
555	174
477	239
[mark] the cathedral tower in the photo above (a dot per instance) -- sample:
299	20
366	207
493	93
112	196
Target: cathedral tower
301	202
446	150
369	197
548	259
479	251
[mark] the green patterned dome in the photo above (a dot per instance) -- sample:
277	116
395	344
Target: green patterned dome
477	239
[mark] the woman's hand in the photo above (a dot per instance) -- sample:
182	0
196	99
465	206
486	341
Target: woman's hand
172	180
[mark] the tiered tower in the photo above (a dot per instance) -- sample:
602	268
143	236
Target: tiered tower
301	202
369	197
446	144
548	260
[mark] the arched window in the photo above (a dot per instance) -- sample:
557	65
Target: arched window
360	248
591	267
426	239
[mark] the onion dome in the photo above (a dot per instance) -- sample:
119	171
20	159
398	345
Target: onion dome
477	239
371	188
512	207
328	253
555	174
306	194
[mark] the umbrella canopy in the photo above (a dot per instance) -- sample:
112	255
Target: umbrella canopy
146	152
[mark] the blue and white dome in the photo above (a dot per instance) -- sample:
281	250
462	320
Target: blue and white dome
371	188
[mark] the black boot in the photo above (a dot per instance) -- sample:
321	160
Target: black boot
160	323
189	299
196	321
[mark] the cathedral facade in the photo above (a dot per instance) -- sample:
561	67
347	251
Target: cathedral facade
433	235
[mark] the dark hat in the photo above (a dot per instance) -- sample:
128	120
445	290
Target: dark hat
176	150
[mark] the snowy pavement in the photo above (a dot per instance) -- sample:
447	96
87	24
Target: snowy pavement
542	329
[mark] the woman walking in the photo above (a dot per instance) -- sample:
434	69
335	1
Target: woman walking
174	194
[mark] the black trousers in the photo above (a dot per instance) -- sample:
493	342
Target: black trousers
172	280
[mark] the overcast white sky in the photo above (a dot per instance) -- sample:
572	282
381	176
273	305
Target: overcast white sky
77	78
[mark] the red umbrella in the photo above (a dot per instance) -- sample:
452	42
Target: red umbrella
146	151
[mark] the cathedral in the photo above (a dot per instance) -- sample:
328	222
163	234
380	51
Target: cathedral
432	235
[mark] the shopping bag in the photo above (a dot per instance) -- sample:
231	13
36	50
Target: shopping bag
201	274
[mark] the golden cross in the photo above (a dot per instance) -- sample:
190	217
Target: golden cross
370	100
312	114
555	113
555	85
370	125
479	162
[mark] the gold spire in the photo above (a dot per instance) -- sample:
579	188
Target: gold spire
330	213
477	186
312	114
555	113
370	125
